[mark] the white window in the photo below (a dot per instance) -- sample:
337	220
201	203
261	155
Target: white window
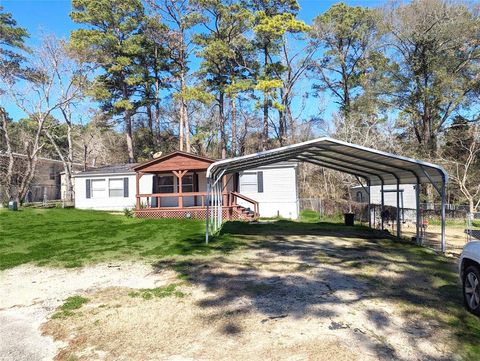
359	197
115	187
98	188
249	182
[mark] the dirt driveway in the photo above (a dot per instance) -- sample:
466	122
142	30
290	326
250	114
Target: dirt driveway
281	298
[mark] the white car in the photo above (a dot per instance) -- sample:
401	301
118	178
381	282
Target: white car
469	270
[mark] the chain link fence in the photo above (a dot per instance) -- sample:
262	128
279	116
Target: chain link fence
473	227
459	227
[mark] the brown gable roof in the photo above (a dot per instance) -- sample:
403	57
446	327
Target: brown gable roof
177	160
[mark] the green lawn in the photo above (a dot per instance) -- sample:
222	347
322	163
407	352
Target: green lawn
71	237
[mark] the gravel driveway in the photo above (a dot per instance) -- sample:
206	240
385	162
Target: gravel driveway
284	298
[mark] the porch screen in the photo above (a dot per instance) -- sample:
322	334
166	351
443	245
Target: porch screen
187	183
166	184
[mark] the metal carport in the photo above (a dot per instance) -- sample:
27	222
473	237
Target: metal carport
374	166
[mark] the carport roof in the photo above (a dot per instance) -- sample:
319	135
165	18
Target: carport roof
370	164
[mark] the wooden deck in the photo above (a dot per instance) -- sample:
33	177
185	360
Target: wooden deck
150	206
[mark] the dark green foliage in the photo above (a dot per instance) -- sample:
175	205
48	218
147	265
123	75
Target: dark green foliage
114	39
12	44
352	65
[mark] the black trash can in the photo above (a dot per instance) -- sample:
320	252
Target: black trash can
12	205
349	218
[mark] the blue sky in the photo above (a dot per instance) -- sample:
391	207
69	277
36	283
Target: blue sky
52	16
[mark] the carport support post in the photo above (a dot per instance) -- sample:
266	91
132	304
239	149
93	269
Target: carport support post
207	220
443	217
417	204
398	208
383	204
368	208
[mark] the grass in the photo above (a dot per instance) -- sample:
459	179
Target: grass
311	216
158	292
72	238
71	303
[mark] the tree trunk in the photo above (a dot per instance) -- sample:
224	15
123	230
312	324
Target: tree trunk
187	128
67	161
221	115
158	125
234	126
183	113
265	105
27	179
151	141
281	123
129	136
32	157
265	122
9	176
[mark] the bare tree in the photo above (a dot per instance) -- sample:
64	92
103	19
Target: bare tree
463	164
296	62
39	99
70	79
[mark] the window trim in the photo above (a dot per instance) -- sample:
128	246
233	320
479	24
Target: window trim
116	189
253	184
92	189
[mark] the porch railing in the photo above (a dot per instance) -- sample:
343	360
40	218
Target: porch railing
154	200
235	196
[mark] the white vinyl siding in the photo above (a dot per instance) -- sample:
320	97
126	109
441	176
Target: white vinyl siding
278	196
103	201
115	187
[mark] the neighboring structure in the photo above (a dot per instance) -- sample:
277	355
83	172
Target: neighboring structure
407	195
174	186
47	183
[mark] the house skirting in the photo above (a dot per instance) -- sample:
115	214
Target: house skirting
229	213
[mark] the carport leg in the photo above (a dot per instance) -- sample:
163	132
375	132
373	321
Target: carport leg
417	202
398	208
443	218
383	205
207	220
368	208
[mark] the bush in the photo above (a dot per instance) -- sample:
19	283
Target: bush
128	212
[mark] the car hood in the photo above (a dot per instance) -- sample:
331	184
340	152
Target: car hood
472	251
